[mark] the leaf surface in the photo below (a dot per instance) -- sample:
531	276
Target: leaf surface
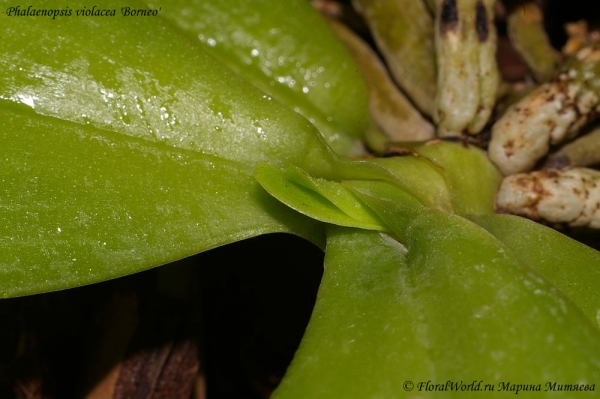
80	205
451	304
571	266
126	146
287	50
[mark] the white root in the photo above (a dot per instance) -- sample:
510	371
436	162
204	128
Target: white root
568	196
553	113
468	75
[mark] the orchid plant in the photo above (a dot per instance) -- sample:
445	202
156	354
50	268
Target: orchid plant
130	142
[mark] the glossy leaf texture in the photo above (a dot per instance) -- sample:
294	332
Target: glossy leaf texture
287	50
79	94
142	78
449	304
81	205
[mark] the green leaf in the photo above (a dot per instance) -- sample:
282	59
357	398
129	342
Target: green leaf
470	179
287	50
320	199
80	205
451	304
121	131
143	78
422	177
569	265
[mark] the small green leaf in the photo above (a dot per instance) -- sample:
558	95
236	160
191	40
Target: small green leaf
320	199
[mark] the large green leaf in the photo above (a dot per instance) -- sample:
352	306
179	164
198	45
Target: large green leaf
451	305
141	77
80	205
287	50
